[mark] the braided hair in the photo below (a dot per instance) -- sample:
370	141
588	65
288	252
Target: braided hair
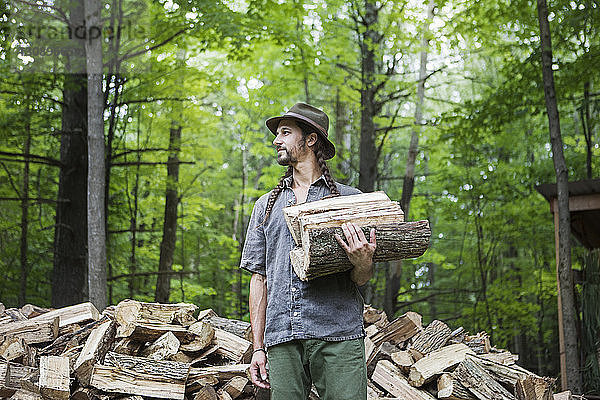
318	150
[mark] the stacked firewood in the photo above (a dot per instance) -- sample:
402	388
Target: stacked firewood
407	360
141	350
314	224
131	351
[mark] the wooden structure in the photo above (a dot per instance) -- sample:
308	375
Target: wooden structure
584	207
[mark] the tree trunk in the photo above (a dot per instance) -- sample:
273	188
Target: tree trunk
25	211
96	163
587	128
167	245
565	277
368	152
409	176
70	233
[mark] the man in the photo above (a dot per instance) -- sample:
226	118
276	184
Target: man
311	331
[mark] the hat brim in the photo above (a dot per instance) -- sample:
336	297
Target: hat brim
328	151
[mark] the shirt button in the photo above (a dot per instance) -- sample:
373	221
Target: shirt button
296	314
293	289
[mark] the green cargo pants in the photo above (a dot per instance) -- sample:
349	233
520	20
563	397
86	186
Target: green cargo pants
337	369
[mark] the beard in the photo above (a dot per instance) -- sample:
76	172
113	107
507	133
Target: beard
289	156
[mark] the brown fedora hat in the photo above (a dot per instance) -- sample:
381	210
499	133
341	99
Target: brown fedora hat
309	115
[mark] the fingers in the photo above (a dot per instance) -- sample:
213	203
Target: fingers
372	240
263	372
341	242
359	232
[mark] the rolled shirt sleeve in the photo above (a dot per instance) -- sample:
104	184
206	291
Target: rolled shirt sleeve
254	253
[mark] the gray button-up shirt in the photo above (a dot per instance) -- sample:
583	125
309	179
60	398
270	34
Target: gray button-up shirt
328	308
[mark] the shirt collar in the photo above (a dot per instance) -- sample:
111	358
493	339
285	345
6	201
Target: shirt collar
287	182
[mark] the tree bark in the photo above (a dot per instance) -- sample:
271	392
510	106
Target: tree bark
70	247
96	215
565	277
368	151
409	175
25	211
167	245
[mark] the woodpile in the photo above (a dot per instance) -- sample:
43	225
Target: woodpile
314	224
406	360
131	351
141	350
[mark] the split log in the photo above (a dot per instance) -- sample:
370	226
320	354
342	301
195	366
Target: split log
234	387
293	213
322	254
400	329
436	362
374	316
12	376
203	334
133	381
32	330
507	375
371	330
206	393
25	395
479	382
382	352
503	357
83	394
15	314
373	392
232	347
566	395
238	328
71	340
435	336
369	350
164	347
75	314
31	311
480	343
458	336
54	377
220	373
130	314
96	346
534	388
391	379
12	348
170	370
403	360
451	389
150	331
181	357
127	346
206	313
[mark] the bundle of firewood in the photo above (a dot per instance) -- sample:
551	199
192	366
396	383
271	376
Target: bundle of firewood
314	224
141	350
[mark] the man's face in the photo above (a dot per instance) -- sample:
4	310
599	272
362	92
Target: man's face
289	143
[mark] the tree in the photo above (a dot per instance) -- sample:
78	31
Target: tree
96	216
69	272
564	273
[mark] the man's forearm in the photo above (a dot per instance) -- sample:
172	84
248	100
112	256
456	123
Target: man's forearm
258	309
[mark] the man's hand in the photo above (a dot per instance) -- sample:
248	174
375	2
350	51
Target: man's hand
258	370
359	250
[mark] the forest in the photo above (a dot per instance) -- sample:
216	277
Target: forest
439	103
